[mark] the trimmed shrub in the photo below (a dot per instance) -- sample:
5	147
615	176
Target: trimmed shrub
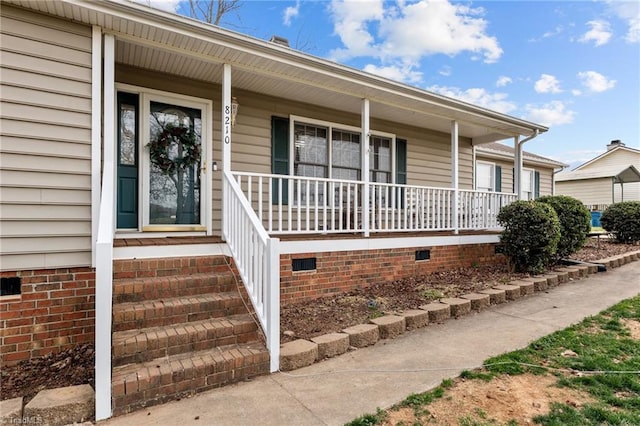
530	236
622	220
575	222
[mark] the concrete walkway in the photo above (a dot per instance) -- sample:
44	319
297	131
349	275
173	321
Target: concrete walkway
338	390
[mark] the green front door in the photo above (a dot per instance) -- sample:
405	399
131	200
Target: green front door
127	174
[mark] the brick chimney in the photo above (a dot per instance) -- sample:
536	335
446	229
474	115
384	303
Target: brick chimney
614	144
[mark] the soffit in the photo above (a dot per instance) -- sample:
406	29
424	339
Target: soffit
183	47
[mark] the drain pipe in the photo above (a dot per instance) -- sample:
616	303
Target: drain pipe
517	178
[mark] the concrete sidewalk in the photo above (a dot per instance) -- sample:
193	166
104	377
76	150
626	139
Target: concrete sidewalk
338	390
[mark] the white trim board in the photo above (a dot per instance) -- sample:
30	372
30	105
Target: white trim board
181	250
323	246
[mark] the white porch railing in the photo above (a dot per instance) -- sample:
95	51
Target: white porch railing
303	205
257	257
479	209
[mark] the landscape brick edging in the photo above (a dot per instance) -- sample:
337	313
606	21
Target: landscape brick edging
291	357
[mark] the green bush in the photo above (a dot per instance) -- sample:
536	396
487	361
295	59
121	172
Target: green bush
575	222
622	220
530	236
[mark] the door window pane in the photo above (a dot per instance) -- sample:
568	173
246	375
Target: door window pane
175	148
127	142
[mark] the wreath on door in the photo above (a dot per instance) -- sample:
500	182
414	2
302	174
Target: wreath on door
175	149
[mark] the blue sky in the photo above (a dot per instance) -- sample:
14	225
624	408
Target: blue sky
573	66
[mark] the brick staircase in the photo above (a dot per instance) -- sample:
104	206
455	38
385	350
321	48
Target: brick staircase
179	327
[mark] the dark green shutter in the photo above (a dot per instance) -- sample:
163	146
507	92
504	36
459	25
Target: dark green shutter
280	155
513	181
498	177
401	161
536	185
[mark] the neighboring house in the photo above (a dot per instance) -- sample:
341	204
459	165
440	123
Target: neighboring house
494	171
138	144
610	177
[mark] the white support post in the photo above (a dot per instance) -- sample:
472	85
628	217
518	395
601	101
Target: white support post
454	173
96	134
517	167
104	245
273	299
226	138
366	134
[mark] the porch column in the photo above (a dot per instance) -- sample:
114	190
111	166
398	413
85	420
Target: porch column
226	139
96	135
104	245
366	134
454	174
517	167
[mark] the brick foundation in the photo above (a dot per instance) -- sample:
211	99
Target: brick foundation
341	271
55	311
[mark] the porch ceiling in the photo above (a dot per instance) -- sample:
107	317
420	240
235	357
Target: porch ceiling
155	40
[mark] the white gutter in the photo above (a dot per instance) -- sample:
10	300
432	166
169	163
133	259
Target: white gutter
518	148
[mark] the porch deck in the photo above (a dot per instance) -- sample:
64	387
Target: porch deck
214	239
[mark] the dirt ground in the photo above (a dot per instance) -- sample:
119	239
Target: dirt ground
503	399
304	320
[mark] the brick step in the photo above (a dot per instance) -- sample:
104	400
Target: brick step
153	288
168	378
175	310
168	266
145	344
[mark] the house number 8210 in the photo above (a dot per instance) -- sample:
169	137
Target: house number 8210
227	123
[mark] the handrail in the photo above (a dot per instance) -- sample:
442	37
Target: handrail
257	258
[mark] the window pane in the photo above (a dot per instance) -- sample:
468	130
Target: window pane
310	170
380	159
484	177
346	149
526	180
347	174
310	144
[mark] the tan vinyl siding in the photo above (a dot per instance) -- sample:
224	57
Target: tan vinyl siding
620	157
428	152
45	126
589	191
546	174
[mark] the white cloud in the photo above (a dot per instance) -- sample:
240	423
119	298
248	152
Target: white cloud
477	96
628	11
556	31
404	73
547	84
600	33
503	81
575	158
291	12
166	5
576	92
595	82
445	71
408	31
553	113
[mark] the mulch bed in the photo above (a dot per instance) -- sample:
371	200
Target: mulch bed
308	319
299	320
